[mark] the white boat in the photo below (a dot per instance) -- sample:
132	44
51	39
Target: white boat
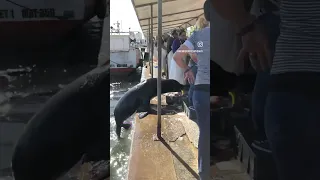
124	58
125	54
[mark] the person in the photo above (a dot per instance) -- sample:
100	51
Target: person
163	57
174	36
200	24
182	36
292	105
175	72
270	20
200	42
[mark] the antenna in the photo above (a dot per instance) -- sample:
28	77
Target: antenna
118	27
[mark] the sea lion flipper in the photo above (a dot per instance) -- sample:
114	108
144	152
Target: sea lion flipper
118	131
146	113
126	126
143	115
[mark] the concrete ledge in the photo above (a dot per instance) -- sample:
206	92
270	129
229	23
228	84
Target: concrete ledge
149	159
175	158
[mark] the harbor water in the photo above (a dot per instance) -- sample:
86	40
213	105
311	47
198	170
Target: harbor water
31	76
120	149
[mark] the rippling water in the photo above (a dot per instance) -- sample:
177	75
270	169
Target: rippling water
120	150
52	68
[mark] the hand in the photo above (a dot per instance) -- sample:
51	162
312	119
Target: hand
255	44
189	76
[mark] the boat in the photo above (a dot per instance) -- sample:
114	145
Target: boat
39	21
125	53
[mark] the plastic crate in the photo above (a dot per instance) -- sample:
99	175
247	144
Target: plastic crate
245	154
191	113
258	164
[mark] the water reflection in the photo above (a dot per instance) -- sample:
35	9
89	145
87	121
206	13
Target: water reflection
33	73
120	149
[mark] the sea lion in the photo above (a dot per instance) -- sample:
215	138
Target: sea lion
72	122
138	99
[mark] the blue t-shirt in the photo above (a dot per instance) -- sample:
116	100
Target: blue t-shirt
176	44
199	42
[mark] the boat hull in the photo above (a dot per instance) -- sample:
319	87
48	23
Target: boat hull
29	33
28	29
121	71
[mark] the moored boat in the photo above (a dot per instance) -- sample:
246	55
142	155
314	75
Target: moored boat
125	54
36	22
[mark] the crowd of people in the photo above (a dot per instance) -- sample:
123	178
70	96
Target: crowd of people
280	40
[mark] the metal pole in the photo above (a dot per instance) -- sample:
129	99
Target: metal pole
151	31
159	66
149	45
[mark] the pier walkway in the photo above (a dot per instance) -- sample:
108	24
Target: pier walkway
172	158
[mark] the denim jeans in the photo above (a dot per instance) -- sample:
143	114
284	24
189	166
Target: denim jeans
293	130
260	91
201	102
259	96
194	69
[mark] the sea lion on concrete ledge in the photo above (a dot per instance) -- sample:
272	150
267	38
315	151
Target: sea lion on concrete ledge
67	127
138	99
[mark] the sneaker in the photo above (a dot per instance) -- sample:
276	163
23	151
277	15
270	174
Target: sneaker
262	146
192	108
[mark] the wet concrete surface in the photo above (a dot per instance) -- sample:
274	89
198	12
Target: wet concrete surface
173	128
172	158
149	159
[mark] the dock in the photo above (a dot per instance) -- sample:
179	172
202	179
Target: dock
174	157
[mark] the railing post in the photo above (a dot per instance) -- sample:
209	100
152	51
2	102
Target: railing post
159	66
152	46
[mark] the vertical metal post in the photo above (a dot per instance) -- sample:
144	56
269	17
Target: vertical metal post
149	45
159	66
152	46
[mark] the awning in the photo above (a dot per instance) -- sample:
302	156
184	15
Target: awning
175	14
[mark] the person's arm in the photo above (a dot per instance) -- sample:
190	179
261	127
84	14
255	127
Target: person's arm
194	57
183	51
234	11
